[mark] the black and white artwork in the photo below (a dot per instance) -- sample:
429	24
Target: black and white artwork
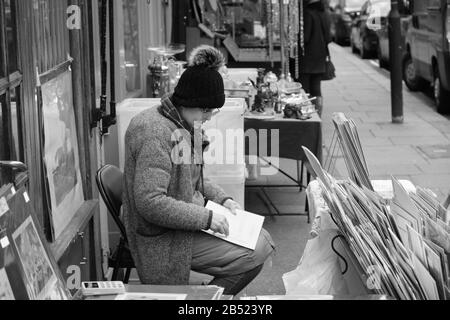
40	275
61	151
6	292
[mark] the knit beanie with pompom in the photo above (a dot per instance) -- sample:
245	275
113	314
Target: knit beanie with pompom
201	85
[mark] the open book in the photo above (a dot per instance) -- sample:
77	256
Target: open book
245	227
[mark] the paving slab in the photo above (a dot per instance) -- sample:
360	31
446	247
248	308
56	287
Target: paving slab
435	166
394	169
441	151
386	155
438	181
443	125
419	141
376	142
406	130
430	116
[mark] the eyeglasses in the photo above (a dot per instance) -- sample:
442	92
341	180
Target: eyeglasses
208	110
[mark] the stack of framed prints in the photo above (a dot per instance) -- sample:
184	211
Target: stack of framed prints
28	270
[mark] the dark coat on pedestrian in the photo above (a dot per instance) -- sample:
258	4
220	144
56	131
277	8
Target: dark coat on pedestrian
317	37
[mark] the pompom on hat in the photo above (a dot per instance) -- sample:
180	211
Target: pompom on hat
206	56
201	85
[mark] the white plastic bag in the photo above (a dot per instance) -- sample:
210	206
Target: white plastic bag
319	271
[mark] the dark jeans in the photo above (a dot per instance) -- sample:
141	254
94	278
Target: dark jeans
312	84
232	267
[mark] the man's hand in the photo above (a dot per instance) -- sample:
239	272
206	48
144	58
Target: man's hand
232	205
219	224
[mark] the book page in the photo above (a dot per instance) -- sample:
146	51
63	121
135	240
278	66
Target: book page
245	227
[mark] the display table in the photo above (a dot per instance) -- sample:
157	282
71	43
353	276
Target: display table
292	135
191	292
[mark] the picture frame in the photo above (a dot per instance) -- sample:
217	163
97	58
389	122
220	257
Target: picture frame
61	153
6	292
12	286
41	279
31	268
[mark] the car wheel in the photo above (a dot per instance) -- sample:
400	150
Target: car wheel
352	44
382	62
365	54
412	80
441	96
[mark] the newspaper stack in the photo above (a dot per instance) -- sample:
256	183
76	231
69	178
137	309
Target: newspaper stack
403	250
352	150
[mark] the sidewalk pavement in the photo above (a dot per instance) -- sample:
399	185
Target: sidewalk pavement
418	150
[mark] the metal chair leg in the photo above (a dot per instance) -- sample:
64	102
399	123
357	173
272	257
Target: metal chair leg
117	262
300	177
307	209
127	276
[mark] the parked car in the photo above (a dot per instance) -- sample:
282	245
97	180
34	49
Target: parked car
379	22
363	38
342	13
427	57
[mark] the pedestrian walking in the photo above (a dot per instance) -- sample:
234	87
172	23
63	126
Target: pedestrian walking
313	61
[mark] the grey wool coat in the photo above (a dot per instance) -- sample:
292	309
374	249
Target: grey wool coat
161	209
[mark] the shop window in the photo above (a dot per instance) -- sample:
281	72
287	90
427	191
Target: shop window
51	33
11	147
420	6
405	7
2	63
4	136
245	22
10	136
16	127
11	37
131	45
11	144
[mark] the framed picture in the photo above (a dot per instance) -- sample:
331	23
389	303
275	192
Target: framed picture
61	155
39	273
6	292
12	285
30	267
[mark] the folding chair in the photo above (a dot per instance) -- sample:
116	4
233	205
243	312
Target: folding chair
109	181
